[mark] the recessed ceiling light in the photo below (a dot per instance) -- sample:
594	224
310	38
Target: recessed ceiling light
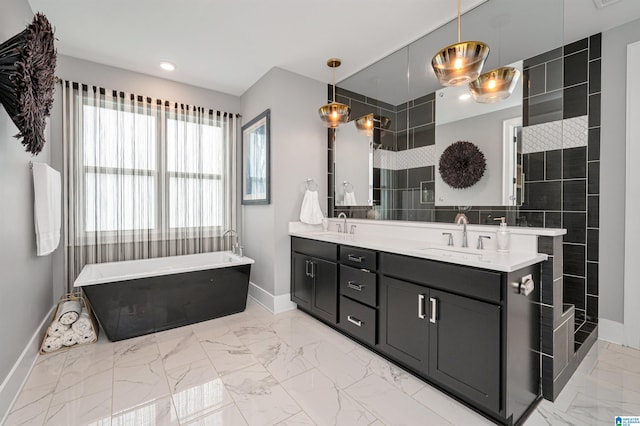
464	96
167	66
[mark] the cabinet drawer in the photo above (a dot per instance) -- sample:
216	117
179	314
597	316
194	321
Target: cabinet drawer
358	284
358	320
357	257
315	248
471	282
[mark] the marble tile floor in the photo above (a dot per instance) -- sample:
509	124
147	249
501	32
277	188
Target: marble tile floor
255	368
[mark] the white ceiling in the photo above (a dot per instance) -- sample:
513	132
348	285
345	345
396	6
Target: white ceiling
227	45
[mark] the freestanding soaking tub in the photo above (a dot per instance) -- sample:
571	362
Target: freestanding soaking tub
137	297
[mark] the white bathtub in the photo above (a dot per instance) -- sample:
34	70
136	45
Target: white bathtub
138	297
98	273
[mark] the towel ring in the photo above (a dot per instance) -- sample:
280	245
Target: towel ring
311	185
348	186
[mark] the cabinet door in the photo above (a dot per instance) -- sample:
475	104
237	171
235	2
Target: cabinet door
325	289
301	281
404	323
464	347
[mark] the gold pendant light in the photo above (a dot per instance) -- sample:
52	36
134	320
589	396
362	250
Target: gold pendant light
334	113
366	123
460	63
494	85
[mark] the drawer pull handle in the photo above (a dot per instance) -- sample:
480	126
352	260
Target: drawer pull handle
354	320
306	268
355	258
434	307
354	286
421	306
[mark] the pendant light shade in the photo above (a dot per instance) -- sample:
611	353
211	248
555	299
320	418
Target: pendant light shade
460	63
366	123
334	113
494	85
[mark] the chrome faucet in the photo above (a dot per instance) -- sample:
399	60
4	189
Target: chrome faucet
235	247
461	218
343	229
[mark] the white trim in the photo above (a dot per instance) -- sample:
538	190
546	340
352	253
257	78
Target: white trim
611	331
275	304
15	380
632	204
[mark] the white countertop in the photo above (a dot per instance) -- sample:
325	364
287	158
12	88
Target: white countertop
487	259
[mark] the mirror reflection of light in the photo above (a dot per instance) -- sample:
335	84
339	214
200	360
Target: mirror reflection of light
200	399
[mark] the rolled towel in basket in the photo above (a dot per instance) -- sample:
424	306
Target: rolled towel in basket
56	329
69	312
83	324
69	338
51	344
85	337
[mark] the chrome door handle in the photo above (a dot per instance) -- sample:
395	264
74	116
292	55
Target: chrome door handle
313	270
354	320
354	286
354	258
434	306
421	306
306	268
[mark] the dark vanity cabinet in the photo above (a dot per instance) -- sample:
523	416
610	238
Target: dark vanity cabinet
314	277
469	331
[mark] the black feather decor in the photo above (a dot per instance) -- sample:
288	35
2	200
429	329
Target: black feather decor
462	164
27	80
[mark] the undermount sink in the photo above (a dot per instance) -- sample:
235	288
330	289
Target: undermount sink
457	253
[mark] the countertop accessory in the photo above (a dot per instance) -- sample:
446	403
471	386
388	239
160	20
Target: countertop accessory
502	235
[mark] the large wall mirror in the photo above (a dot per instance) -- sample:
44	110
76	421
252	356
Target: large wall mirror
402	87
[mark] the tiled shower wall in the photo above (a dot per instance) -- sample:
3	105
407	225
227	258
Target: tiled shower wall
561	153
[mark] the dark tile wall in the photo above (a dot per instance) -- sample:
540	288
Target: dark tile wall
562	185
567	186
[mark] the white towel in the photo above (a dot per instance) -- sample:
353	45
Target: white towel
52	344
69	338
47	207
310	212
69	312
56	329
87	337
83	324
350	199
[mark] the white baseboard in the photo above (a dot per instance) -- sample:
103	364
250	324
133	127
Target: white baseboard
10	388
611	331
275	304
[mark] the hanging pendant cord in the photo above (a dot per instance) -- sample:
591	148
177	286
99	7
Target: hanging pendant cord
334	84
458	21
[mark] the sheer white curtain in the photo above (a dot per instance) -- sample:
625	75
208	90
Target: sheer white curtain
143	177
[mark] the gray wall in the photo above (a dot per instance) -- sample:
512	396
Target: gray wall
298	152
612	172
25	279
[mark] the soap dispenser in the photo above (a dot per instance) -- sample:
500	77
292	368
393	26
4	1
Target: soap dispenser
502	235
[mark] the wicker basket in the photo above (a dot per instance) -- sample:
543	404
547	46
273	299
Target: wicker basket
85	305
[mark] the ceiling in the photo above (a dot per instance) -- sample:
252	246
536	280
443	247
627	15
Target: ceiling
227	45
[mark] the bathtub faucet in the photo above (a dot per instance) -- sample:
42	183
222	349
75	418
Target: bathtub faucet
236	248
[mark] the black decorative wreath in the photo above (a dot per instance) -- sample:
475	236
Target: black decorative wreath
27	80
462	164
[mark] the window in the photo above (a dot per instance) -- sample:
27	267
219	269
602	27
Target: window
145	170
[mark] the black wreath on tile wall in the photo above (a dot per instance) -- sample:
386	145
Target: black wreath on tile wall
462	164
